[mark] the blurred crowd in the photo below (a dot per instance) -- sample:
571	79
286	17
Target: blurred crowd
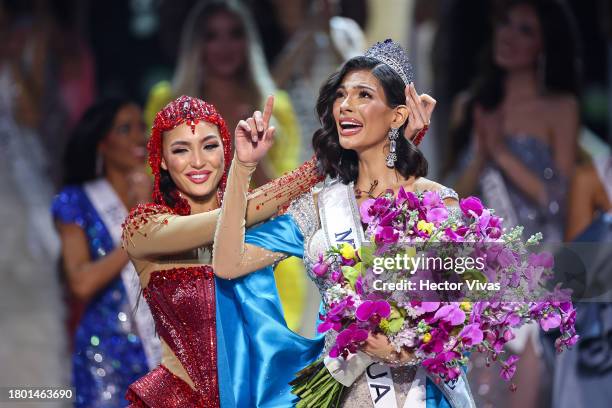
523	120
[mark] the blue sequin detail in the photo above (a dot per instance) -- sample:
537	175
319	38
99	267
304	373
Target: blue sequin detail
108	355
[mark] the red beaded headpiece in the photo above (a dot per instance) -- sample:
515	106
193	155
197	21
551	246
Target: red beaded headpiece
189	110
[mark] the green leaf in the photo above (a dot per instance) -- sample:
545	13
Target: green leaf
395	325
350	274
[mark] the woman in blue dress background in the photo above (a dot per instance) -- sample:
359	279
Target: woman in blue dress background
107	147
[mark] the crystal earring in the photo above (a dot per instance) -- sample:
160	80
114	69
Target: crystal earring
392	156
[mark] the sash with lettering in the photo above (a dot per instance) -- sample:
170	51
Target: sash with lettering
341	223
113	213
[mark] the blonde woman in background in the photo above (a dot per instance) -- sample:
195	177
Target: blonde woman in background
221	61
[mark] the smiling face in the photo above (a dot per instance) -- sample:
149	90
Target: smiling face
363	117
518	39
224	44
123	148
194	160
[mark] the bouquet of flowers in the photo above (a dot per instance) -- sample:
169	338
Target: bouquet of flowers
488	299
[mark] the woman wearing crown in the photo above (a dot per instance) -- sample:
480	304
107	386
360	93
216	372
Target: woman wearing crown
362	108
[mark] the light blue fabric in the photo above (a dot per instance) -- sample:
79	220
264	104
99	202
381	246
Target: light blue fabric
263	353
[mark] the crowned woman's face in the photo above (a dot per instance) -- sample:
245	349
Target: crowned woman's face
362	116
518	39
224	45
194	160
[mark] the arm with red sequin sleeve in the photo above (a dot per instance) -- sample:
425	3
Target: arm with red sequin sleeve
153	230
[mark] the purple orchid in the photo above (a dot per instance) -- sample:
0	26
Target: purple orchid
451	314
365	210
471	334
348	340
320	267
436	215
376	309
471	206
508	367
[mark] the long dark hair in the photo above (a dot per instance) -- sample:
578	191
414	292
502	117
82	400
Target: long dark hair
81	153
339	162
561	73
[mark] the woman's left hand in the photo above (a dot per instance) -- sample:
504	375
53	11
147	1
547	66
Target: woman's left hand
421	107
254	136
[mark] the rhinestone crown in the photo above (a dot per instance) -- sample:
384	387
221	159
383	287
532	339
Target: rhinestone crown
392	54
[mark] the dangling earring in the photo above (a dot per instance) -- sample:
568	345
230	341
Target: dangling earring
99	165
392	156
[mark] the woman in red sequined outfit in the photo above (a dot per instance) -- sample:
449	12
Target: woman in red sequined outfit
169	242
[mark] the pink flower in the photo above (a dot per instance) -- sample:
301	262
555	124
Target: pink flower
509	368
451	314
426	307
369	309
543	259
431	199
386	235
550	321
471	335
437	215
453	236
320	267
365	210
348	340
471	206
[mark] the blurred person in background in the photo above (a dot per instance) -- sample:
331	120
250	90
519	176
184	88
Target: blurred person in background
32	342
514	138
582	376
221	61
321	41
104	175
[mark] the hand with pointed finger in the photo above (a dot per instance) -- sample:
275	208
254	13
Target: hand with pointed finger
421	107
254	136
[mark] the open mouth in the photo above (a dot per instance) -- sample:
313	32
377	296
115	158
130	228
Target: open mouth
349	127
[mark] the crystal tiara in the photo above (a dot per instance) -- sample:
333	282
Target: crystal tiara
392	54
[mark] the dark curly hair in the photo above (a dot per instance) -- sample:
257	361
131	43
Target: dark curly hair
342	163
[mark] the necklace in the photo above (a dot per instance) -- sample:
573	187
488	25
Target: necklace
370	193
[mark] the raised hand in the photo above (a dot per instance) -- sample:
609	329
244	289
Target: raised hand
254	136
421	107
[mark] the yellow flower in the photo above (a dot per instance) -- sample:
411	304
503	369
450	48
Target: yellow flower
425	226
465	306
426	337
411	252
347	251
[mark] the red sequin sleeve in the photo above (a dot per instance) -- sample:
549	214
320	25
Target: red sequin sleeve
153	230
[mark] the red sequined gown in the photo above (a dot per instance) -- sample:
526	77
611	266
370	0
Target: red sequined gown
182	301
174	252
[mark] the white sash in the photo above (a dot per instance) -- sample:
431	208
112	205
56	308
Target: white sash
112	212
341	223
496	194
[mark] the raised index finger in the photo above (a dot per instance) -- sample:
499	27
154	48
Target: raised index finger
267	113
